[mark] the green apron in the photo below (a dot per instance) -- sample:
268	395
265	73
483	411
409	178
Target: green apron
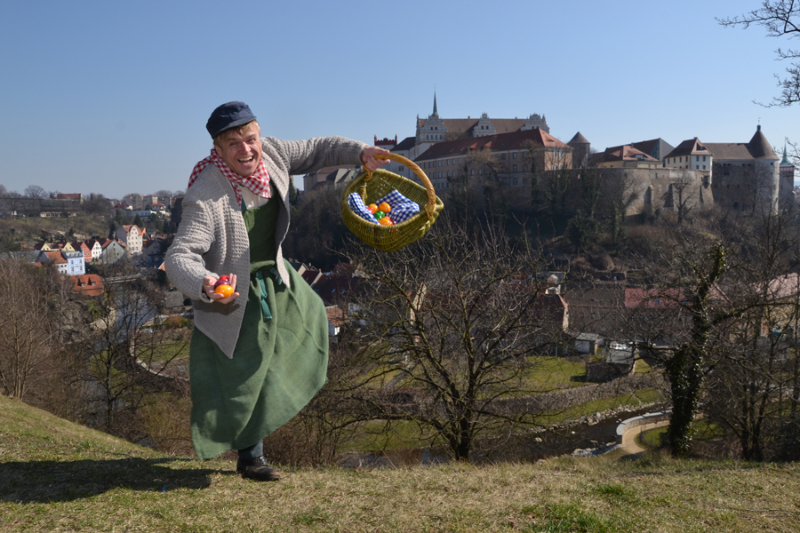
281	356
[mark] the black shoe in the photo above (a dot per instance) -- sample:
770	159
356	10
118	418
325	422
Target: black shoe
257	469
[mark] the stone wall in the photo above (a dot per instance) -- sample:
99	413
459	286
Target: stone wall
409	402
640	190
564	399
748	188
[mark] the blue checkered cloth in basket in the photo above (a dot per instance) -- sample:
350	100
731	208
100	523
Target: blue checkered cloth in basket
402	207
357	205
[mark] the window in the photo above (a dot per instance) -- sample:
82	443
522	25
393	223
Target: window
472	172
401	168
524	168
697	158
704	158
515	169
503	157
515	181
514	155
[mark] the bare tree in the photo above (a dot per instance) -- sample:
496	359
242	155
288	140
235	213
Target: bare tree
684	198
97	204
591	187
34	191
780	18
128	354
752	389
727	338
30	325
689	276
458	320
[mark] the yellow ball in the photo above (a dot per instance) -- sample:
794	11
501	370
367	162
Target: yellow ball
224	290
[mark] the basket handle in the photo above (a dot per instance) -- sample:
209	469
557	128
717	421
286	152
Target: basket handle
430	207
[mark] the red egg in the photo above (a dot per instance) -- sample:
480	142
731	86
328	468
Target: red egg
223	280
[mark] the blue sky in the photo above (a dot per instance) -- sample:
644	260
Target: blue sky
112	97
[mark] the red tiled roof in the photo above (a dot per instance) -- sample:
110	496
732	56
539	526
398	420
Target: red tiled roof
626	153
55	257
83	284
335	316
636	298
497	143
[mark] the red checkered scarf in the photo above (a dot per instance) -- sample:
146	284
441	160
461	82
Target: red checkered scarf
258	181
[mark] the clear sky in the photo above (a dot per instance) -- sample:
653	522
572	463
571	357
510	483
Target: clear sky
112	97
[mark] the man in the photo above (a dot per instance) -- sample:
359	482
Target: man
259	355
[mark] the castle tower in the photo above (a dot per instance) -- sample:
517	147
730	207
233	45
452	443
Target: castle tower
535	121
787	180
580	151
767	171
432	129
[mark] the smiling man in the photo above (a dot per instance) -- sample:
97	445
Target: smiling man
259	355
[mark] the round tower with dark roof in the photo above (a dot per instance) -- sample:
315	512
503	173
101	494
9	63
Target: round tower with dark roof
767	170
580	150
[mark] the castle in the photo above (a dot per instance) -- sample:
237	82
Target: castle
651	176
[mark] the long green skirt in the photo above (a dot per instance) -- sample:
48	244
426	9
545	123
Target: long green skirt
279	364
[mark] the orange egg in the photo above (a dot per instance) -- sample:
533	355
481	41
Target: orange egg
386	221
385	207
372	208
224	290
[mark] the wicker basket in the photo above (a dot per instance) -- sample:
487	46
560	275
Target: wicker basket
373	186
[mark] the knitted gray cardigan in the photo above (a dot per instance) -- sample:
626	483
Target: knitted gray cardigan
212	239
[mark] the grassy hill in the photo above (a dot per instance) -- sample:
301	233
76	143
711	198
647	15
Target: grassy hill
57	476
31	228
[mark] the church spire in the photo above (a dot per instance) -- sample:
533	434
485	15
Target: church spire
785	161
435	112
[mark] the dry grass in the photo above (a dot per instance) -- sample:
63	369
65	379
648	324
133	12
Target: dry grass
60	477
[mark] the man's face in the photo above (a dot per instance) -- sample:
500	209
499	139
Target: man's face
241	151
